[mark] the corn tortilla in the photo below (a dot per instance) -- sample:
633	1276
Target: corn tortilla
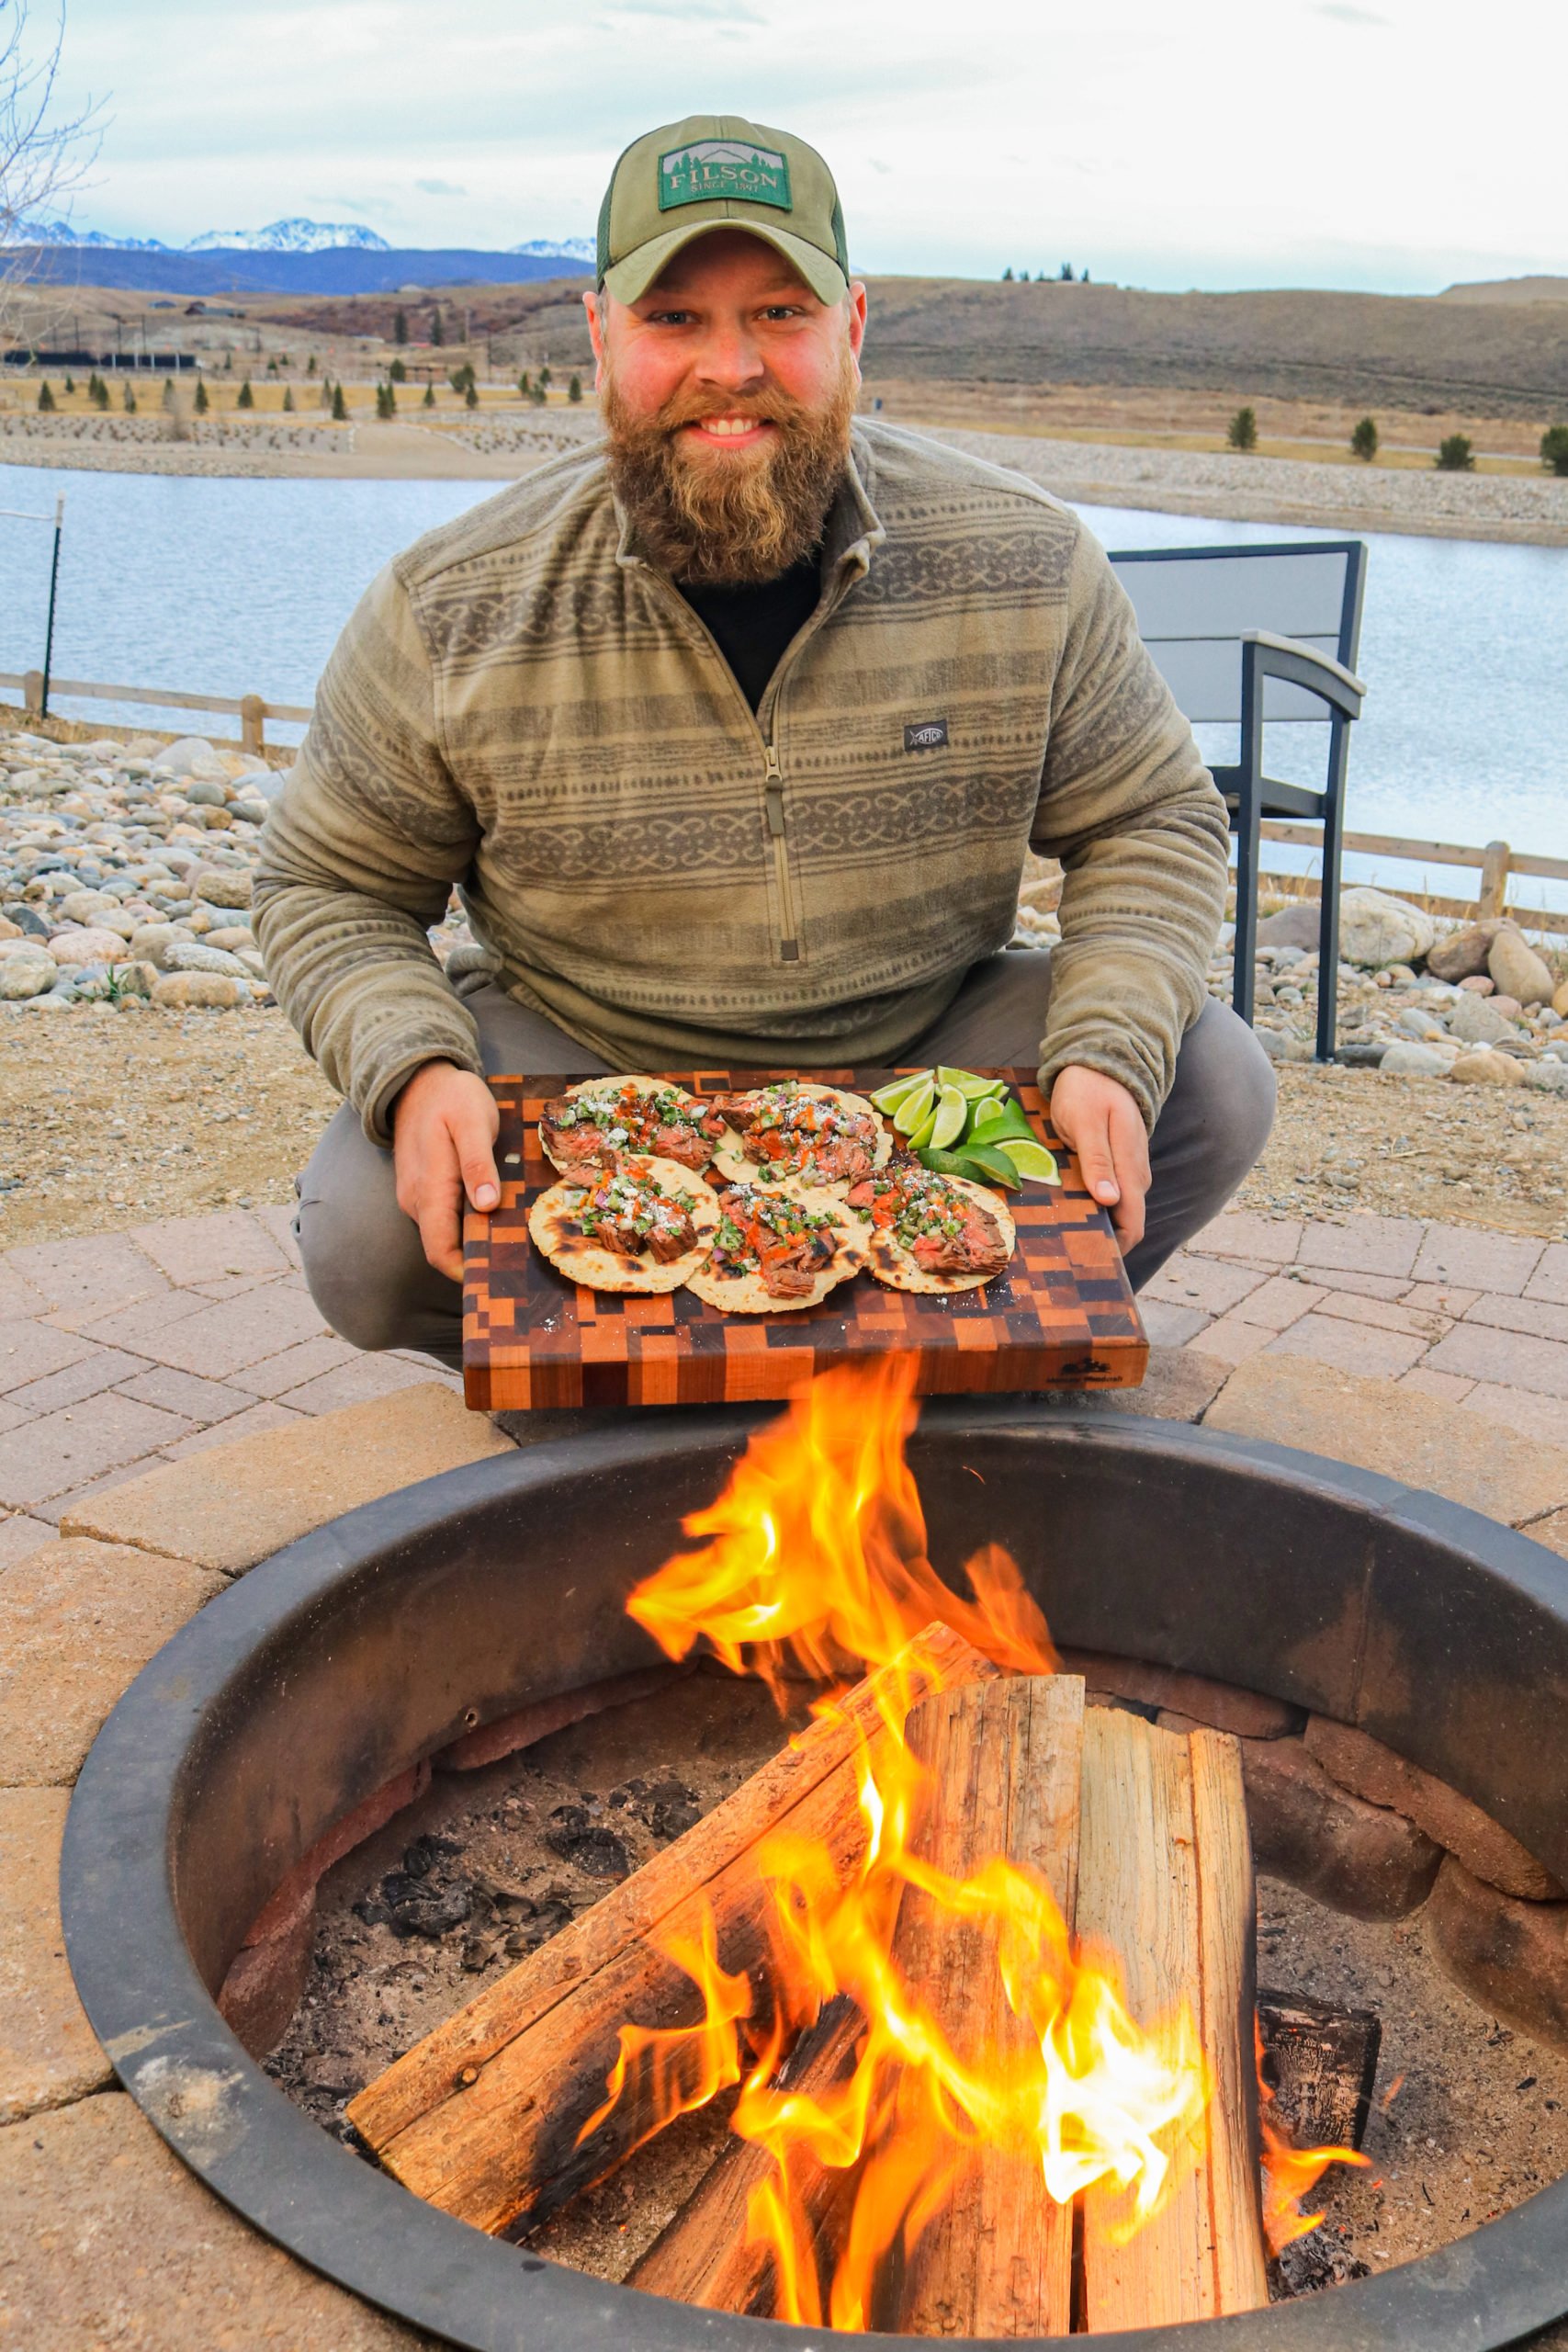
897	1266
554	1230
748	1295
611	1085
731	1160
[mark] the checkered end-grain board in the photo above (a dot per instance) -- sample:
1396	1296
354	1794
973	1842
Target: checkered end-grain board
1062	1314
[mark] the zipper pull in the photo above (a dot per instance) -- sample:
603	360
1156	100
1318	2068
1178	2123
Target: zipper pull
772	792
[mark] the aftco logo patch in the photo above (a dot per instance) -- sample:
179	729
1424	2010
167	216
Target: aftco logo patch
929	736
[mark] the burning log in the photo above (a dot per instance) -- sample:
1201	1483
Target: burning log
708	2255
485	2117
995	2260
1165	1880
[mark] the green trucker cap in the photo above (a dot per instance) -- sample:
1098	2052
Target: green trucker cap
715	171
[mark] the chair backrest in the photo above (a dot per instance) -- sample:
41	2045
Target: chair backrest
1193	605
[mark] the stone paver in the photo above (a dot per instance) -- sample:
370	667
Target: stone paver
1383	1315
1501	1262
1242	1233
1356	1284
20	1534
230	1505
1351	1347
191	1249
1305	1403
47	2053
1277	1303
186	1392
257	1418
19	1300
1209	1284
100	1271
1543	1416
1531	1315
111	2241
219	1339
1170	1326
1443	1387
56	1451
355	1384
31	1351
1478	1352
1550	1280
1368	1245
89	1377
78	1621
274	1375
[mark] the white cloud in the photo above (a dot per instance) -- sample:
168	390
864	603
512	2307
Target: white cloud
440	187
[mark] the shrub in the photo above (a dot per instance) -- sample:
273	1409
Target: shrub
201	404
168	391
524	387
1006	276
429	399
310	365
545	378
471	394
128	399
1241	433
97	391
398	372
435	334
71	383
247	398
326	392
340	406
462	379
538	394
386	401
1455	455
45	397
272	366
400	327
288	399
574	389
1553	447
1364	440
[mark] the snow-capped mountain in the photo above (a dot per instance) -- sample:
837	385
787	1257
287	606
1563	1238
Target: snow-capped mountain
60	232
570	248
295	236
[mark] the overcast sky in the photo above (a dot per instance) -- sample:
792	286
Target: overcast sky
1398	145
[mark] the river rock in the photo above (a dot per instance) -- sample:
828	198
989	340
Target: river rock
29	922
137	979
1460	954
1549	1074
1283	1045
27	975
206	792
1508	1006
1292	927
86	946
1408	1058
1518	969
233	937
152	941
223	886
1483	1068
1559	1002
89	908
1375	929
181	757
194	956
1474	1020
214	992
1478	983
9	930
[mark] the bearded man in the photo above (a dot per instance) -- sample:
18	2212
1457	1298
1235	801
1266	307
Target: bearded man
733	732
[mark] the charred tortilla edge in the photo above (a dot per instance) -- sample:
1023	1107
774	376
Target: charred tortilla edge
595	1268
899	1269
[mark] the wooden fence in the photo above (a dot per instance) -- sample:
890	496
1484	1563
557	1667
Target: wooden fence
1496	864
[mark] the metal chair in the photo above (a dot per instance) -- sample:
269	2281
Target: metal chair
1246	636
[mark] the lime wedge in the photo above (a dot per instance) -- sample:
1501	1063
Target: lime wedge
989	1165
964	1163
922	1138
952	1110
988	1111
970	1084
887	1098
1032	1159
916	1108
1006	1119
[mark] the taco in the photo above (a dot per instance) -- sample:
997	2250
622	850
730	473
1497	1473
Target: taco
594	1122
932	1232
800	1133
643	1225
776	1251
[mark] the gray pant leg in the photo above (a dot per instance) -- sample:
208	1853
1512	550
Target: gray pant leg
362	1256
1214	1121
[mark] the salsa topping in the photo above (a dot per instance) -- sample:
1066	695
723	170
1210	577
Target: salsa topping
773	1235
945	1229
625	1211
784	1132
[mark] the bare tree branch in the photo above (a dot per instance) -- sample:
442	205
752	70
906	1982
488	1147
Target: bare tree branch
44	156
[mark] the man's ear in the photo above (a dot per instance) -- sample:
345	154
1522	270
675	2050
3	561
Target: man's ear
595	304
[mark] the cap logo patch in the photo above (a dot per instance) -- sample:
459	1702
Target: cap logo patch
723	167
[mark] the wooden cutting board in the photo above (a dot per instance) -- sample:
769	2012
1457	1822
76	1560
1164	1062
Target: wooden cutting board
1062	1316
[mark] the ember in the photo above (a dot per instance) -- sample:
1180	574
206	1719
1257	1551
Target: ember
814	1562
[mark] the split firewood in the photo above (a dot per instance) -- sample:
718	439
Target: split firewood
1004	1756
706	2254
1321	2062
482	2118
1165	1879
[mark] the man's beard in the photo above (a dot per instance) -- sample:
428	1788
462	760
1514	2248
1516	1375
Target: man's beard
730	521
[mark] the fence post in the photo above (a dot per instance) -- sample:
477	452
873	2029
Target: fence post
253	712
1494	881
32	694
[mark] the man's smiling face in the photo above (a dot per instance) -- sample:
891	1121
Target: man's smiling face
727	390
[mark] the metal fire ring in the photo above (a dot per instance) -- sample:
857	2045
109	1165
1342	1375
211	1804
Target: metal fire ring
312	1681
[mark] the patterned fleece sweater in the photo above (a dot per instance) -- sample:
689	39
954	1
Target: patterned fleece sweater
524	706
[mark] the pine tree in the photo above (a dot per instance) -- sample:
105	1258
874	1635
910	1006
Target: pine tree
129	398
429	399
545	378
400	327
1364	440
340	406
201	402
1554	448
288	399
398	372
247	398
435	334
1007	275
538	394
524	386
574	389
98	391
326	392
1241	433
71	383
168	391
45	398
272	366
310	365
1455	455
471	396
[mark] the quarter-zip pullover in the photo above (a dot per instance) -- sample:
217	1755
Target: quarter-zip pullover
522	706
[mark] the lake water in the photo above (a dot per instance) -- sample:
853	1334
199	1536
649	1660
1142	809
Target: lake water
237	587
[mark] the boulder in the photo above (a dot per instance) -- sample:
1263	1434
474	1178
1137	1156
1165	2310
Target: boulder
212	992
86	946
181	757
1461	955
1307	1829
1292	927
1408	1058
1518	969
1483	1068
1379	1774
88	907
191	955
1224	1706
27	974
1375	929
1475	1021
222	887
1282	1046
151	942
206	792
1509	1955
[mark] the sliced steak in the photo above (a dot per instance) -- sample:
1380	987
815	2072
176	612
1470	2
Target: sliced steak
689	1146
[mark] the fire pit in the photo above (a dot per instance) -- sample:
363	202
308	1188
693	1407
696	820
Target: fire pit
411	1623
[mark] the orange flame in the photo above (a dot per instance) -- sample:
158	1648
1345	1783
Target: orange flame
1288	2172
815	1561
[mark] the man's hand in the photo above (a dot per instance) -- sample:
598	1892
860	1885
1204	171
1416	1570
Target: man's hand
443	1130
1105	1127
